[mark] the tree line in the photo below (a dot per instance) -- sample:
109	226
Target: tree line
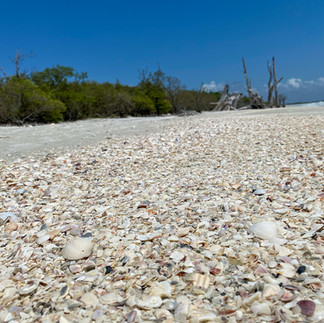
60	93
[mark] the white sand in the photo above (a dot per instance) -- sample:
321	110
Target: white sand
19	142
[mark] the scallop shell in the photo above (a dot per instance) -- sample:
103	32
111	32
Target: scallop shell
201	281
77	249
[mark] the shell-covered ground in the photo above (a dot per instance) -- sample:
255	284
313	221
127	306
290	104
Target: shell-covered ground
210	220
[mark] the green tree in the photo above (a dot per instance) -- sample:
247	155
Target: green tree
23	101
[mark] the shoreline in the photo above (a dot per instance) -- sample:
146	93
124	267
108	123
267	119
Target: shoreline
20	142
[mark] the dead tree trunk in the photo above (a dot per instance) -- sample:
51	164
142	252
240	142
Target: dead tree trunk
270	86
227	101
275	83
255	99
248	82
273	87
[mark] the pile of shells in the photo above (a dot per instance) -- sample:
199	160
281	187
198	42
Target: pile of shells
211	220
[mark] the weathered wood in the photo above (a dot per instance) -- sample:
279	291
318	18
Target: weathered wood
255	100
227	101
272	84
275	83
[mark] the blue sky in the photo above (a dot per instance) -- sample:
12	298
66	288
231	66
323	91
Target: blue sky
200	42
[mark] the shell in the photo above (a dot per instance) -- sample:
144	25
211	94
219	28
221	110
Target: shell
267	230
307	307
201	281
78	248
149	302
29	288
261	308
12	226
163	289
270	290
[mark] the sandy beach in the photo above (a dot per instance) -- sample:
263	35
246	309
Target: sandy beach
19	142
216	217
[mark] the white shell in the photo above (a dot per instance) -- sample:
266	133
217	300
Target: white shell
28	288
265	230
162	289
150	302
77	249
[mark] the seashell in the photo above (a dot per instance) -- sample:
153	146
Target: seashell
307	307
12	226
149	302
77	249
111	298
133	316
267	230
54	233
261	308
270	290
8	215
259	191
90	299
201	281
200	316
287	296
181	312
29	288
43	238
75	269
183	232
177	256
163	289
287	270
8	295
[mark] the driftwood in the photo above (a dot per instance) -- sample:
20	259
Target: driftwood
227	101
272	85
255	100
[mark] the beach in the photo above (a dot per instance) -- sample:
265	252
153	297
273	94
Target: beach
19	142
216	217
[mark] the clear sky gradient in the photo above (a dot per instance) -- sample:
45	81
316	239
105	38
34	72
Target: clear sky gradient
196	41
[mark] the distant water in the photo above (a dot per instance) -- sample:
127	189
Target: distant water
311	104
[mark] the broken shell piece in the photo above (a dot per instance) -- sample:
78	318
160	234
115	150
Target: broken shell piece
77	249
149	302
259	191
12	226
111	298
163	289
43	238
183	232
177	256
30	287
200	280
260	308
267	230
270	290
307	307
287	270
90	299
287	296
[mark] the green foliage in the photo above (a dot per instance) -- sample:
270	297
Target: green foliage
144	105
23	101
60	93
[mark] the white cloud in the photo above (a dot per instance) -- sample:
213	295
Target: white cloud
297	83
213	87
294	82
